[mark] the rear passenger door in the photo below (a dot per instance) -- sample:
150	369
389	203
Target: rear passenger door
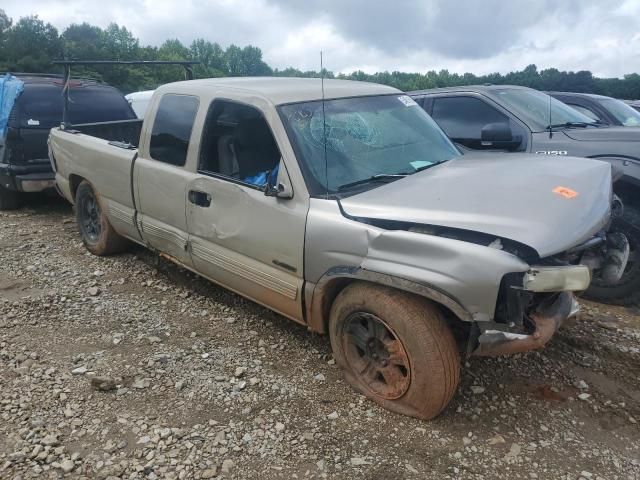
161	179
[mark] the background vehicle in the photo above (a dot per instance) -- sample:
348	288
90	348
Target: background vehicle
354	216
25	166
635	104
518	119
139	101
607	110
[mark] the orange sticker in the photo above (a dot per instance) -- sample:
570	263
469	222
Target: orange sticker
565	192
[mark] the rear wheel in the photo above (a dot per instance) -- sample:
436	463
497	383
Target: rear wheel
395	348
97	233
9	199
627	290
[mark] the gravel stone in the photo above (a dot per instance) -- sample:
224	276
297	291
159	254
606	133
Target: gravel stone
232	390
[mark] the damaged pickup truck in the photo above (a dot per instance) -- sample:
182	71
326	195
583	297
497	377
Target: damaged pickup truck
352	213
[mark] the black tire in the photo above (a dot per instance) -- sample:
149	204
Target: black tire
395	348
627	290
9	199
97	233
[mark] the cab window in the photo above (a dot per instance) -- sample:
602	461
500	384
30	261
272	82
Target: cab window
172	128
237	144
462	118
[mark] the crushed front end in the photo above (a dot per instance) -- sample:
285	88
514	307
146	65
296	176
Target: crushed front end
532	306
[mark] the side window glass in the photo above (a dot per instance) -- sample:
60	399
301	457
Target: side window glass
237	143
463	118
172	128
584	111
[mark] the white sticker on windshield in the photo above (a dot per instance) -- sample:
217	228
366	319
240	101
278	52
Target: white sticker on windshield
33	122
419	164
408	101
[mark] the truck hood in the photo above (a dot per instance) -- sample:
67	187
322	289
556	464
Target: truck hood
604	134
548	204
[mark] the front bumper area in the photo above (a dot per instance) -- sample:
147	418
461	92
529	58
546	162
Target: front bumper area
547	319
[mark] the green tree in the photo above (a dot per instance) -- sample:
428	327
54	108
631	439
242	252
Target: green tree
30	45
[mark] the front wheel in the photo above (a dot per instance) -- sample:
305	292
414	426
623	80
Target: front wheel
627	290
97	233
395	348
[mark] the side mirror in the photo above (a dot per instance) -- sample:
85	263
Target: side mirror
499	135
496	132
280	191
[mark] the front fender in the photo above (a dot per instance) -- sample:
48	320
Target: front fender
322	293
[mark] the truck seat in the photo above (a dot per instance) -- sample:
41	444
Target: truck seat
227	162
255	148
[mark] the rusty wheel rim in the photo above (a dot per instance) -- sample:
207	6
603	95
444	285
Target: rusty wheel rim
375	354
90	224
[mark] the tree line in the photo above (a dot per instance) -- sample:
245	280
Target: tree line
30	45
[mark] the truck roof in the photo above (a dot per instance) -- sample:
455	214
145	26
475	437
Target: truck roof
468	88
578	94
282	90
50	78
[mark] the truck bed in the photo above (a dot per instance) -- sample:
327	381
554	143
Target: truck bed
123	131
106	163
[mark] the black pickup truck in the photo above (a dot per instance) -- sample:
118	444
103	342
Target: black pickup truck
519	119
24	160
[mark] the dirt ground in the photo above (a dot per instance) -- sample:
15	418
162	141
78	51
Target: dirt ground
204	384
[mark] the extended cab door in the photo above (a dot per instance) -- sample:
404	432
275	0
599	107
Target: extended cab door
241	238
160	175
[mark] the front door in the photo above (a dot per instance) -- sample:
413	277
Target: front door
239	237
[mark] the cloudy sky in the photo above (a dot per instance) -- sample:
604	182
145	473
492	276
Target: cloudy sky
479	36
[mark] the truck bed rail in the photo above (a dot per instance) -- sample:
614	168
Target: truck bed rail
123	132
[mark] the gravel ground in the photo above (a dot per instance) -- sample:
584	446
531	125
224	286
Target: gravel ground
127	367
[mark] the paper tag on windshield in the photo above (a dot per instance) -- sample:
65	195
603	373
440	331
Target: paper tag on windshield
33	122
408	101
419	164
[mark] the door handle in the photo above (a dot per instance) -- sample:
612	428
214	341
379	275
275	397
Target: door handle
202	199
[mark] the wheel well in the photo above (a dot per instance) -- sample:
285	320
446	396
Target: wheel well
74	183
628	191
319	320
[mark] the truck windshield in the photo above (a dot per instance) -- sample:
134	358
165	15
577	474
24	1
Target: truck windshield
534	107
627	116
369	140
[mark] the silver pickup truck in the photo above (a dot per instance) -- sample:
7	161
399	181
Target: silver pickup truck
345	208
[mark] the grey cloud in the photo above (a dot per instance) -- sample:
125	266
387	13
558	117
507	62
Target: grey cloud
481	36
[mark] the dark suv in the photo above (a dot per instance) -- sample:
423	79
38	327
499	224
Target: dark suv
519	119
24	163
610	111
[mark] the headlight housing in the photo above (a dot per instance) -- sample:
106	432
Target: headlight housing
569	278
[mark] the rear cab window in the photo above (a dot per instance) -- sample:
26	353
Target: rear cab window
172	127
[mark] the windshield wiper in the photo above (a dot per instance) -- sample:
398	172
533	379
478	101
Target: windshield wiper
381	177
571	124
